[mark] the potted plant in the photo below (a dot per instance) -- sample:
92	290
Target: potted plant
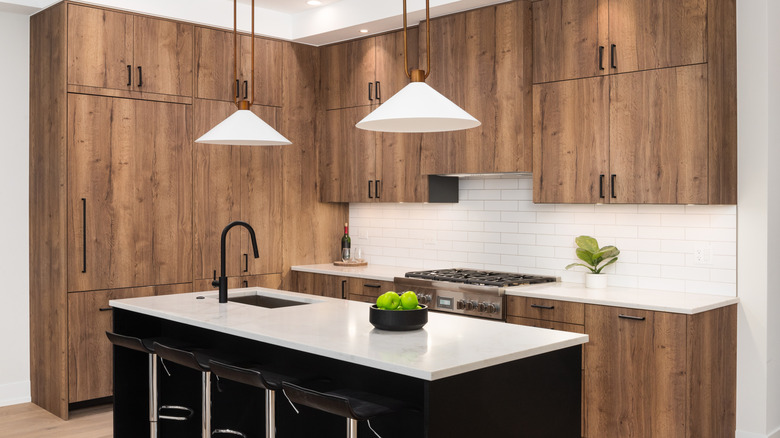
596	260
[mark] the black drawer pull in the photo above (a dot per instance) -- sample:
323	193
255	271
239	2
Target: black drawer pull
140	77
601	186
369	189
84	235
601	57
612	185
634	318
614	56
377	185
375	286
238	88
105	309
246	283
539	306
246	262
129	75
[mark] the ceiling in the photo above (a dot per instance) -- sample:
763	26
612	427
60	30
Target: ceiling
292	20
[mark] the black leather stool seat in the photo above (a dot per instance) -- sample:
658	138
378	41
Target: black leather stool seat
251	374
196	359
347	403
145	345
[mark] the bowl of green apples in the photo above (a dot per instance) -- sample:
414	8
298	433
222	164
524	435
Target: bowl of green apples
398	312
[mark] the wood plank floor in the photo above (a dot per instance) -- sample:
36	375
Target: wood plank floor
29	421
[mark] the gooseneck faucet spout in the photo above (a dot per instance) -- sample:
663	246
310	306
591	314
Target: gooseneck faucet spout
222	282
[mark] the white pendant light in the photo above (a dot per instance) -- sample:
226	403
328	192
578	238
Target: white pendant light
418	107
243	128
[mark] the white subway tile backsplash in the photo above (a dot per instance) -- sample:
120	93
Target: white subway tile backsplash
497	226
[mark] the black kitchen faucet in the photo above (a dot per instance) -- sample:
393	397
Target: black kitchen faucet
222	282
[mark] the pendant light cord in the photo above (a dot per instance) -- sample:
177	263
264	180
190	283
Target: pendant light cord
427	40
235	53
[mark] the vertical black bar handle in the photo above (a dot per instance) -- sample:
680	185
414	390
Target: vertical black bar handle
378	93
238	88
613	56
140	77
129	75
84	235
601	186
370	90
246	283
246	90
246	262
601	57
369	189
377	185
612	185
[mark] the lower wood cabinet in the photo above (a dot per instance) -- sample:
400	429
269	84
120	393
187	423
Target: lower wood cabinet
271	281
320	284
361	289
89	351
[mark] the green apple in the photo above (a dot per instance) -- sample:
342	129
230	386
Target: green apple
393	300
382	301
409	300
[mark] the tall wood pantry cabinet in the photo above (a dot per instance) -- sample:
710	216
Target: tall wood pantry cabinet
634	101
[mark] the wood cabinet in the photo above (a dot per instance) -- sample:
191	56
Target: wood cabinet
271	281
235	183
481	60
320	284
366	290
89	350
129	185
214	67
579	39
116	50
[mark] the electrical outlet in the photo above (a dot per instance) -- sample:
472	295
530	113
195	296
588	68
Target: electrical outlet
702	254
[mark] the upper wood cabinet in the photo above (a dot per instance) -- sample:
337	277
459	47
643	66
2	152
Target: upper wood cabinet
481	60
129	193
585	38
235	183
115	50
214	67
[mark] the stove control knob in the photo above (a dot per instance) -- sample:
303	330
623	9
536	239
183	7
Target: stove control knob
471	305
461	304
482	307
492	308
423	299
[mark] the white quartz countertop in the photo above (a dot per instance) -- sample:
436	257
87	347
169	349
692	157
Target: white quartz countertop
448	345
370	272
664	301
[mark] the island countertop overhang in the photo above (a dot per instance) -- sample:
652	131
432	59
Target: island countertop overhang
339	329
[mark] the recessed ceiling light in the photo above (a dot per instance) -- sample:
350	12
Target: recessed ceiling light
313	2
363	30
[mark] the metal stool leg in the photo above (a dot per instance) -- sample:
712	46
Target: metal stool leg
153	413
352	428
206	405
270	413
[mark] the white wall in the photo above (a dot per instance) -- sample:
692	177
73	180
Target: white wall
497	226
14	246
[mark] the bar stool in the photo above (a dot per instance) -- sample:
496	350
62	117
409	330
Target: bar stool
197	360
147	346
258	377
351	404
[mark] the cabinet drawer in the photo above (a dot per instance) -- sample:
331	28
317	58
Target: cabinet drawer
361	289
548	310
576	328
319	284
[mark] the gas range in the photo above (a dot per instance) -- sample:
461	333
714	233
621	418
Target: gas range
465	291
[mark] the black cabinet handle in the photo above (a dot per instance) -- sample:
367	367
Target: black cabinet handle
105	309
246	262
612	185
84	235
539	306
375	286
246	90
369	189
246	283
601	57
378	93
377	187
140	77
370	90
634	318
613	56
129	75
601	186
238	88
343	289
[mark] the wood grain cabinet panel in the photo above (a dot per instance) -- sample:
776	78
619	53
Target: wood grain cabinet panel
320	284
347	163
365	290
548	310
129	183
162	56
348	71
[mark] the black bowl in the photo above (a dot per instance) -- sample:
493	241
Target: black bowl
398	320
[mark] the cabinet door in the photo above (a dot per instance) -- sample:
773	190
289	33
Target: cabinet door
162	56
347	158
390	73
398	168
571	141
214	65
635	372
320	284
100	48
347	70
658	136
268	71
481	60
570	38
650	34
129	184
261	201
361	289
217	195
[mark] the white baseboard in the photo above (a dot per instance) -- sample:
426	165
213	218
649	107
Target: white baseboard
774	434
14	393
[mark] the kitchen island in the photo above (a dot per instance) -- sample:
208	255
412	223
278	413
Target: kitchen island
459	376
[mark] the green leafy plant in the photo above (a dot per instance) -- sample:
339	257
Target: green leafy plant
596	258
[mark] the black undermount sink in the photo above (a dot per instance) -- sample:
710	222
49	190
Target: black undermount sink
265	301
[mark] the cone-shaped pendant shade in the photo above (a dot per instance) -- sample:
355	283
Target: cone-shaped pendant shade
244	128
418	108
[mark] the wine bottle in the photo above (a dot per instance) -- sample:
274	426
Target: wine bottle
346	244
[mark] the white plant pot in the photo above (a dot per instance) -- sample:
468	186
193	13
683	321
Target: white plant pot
595	281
